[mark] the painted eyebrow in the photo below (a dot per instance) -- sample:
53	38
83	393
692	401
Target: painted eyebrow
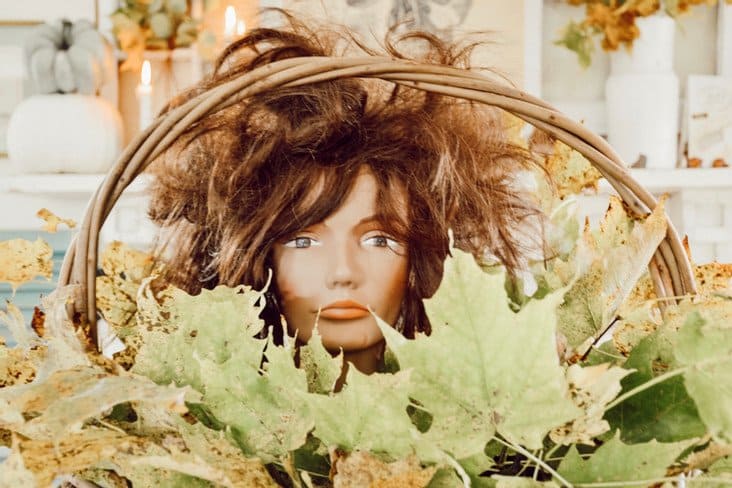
364	221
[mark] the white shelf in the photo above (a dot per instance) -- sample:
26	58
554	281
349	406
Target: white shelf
66	195
56	184
679	179
684	178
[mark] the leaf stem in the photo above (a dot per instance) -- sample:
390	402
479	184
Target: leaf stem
538	461
551	452
467	483
612	484
289	465
614	356
645	386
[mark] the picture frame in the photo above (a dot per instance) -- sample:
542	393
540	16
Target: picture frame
12	76
31	12
709	119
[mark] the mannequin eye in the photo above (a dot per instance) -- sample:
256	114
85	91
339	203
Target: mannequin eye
301	242
382	241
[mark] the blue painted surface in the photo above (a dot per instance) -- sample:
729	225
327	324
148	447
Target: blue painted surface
29	295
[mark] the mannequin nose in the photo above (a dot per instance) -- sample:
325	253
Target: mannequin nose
344	269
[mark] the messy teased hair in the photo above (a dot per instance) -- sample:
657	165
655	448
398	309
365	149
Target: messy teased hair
253	174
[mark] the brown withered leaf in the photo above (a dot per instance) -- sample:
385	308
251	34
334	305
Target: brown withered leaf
53	221
22	261
645	8
618	25
707	456
66	399
38	321
74	452
362	469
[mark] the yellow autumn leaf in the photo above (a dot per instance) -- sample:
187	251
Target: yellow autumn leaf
570	172
53	221
22	261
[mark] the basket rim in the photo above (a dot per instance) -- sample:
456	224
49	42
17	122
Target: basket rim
670	267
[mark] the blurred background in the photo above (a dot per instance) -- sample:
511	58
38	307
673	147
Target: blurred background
80	78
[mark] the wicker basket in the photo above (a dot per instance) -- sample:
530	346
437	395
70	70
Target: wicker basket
670	268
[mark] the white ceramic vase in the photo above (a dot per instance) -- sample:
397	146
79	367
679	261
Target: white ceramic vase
642	97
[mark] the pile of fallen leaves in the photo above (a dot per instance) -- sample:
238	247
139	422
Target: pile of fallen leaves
188	391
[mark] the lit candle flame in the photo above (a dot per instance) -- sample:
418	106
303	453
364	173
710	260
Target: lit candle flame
229	22
241	27
146	74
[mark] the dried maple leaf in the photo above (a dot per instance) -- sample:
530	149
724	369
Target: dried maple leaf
22	261
570	172
591	389
713	278
361	469
38	321
13	319
124	269
53	221
18	366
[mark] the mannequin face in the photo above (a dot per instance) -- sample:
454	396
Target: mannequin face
333	271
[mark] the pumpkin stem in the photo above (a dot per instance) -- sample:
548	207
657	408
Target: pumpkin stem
65	34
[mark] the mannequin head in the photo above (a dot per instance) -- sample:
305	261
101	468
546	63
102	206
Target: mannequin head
345	189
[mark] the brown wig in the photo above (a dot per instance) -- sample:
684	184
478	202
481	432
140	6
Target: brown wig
259	171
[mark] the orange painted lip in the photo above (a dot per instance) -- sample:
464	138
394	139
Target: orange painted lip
344	310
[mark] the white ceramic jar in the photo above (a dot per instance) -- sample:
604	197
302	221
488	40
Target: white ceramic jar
642	96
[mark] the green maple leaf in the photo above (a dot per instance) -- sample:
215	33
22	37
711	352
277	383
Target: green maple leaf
615	461
665	411
706	348
321	369
209	341
485	368
721	471
578	38
370	413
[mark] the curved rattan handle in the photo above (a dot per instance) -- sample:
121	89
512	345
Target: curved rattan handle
670	268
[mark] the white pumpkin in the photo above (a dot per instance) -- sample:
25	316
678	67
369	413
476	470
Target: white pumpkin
64	134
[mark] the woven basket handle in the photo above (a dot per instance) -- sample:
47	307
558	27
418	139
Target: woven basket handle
670	268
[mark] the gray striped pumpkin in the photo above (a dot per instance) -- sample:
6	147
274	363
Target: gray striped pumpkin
68	57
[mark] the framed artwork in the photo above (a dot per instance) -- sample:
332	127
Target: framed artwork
29	12
12	75
709	119
501	23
